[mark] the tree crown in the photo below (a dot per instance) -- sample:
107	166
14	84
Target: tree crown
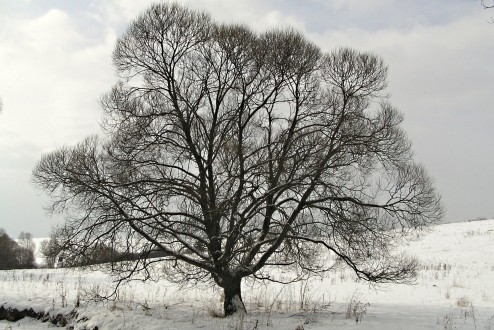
231	151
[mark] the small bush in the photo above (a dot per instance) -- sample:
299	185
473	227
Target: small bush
463	301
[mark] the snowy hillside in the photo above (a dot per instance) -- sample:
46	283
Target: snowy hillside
454	290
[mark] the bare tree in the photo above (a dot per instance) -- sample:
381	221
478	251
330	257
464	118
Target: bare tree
25	240
25	254
50	258
50	249
231	152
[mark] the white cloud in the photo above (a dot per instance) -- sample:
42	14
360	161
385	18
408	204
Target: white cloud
257	14
51	77
49	32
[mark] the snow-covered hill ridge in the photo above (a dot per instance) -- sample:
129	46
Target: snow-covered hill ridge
471	242
454	289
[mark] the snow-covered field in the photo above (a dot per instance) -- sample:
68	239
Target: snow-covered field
454	290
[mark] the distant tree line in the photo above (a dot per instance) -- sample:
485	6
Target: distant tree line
16	255
96	255
55	255
20	254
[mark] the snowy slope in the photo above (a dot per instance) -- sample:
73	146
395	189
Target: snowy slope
454	290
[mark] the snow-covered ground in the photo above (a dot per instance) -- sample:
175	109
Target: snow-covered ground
454	290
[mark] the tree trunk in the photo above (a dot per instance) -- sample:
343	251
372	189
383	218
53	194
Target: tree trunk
233	297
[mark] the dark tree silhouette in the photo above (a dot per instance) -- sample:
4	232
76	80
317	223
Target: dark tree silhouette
7	251
231	152
13	255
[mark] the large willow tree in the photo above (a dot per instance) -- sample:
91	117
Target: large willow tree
227	151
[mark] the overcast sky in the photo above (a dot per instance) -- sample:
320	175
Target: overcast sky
55	63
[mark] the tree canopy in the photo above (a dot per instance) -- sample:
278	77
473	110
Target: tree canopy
230	152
